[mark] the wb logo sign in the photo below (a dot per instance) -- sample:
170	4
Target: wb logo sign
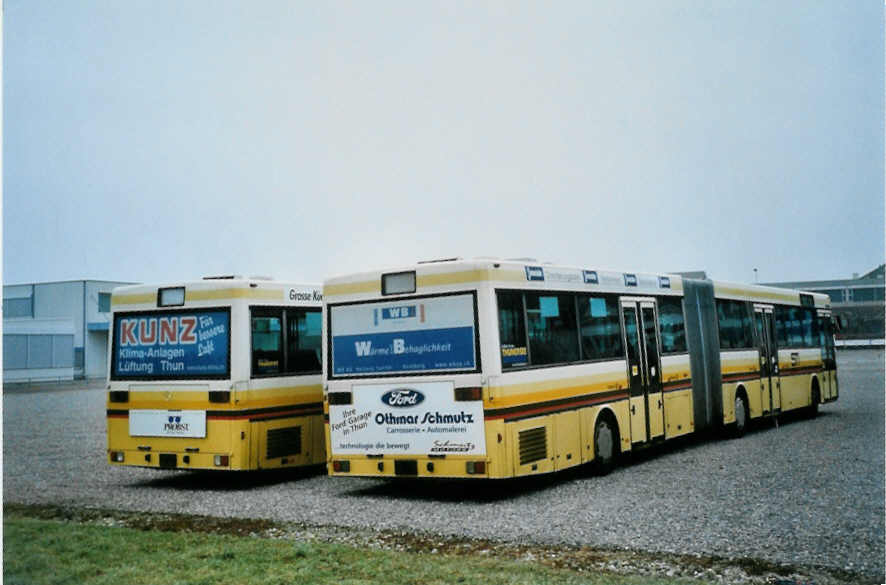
403	312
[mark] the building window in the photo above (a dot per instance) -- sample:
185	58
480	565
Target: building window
15	352
13	308
38	351
104	302
836	294
62	351
861	295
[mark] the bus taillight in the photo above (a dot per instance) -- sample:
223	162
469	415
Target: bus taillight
222	460
341	466
476	467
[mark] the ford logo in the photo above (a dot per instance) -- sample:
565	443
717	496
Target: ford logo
402	397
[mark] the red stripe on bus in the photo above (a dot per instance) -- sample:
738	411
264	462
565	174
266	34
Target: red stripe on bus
518	412
744	376
798	371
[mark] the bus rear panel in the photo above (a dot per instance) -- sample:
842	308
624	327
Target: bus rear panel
405	396
218	375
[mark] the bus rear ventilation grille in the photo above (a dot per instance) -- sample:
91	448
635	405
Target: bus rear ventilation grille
533	445
284	442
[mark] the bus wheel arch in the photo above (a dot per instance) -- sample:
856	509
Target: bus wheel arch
607	445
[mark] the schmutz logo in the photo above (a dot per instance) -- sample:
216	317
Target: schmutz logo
175	425
402	397
452	447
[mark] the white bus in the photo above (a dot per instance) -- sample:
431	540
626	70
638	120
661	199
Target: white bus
488	368
222	373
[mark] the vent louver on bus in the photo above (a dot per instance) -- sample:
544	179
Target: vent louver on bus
284	442
533	445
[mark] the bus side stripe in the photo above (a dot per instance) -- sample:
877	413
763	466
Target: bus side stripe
253	414
565	404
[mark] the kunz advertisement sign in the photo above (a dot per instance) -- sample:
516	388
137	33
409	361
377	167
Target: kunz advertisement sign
171	345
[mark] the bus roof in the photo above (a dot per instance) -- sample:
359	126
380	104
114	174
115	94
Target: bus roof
207	291
457	273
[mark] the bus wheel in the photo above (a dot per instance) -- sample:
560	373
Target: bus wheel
741	415
604	446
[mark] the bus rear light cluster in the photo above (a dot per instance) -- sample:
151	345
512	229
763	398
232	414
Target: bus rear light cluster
117	456
222	460
476	467
466	394
341	466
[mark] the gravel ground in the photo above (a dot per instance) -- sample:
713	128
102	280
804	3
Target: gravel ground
805	492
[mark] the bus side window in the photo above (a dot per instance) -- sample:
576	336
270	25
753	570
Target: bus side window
303	341
736	327
810	328
781	325
512	330
552	328
599	327
267	342
671	325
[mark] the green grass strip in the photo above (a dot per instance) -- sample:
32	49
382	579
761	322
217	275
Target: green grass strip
39	551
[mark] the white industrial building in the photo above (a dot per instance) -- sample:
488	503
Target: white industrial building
56	330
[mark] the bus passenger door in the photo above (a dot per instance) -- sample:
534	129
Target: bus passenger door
828	356
635	372
654	396
644	369
763	315
774	375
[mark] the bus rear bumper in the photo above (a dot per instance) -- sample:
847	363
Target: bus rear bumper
408	467
172	460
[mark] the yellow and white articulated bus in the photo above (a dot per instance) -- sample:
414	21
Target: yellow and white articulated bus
493	369
222	373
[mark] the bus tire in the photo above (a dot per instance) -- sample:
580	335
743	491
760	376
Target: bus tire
742	417
605	442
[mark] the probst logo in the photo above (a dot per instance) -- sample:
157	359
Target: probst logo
175	425
402	397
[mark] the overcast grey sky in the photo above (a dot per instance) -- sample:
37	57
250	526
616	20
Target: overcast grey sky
160	141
